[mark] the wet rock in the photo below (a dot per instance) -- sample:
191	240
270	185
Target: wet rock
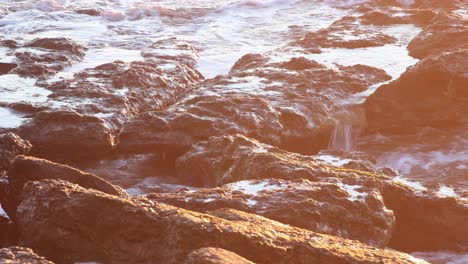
384	18
317	206
7	67
117	91
228	159
425	222
11	145
66	135
24	169
215	256
432	93
46	56
88	11
21	255
337	35
446	32
85	225
7	232
287	104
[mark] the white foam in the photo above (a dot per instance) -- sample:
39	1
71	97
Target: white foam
2	212
446	191
442	257
9	119
14	88
332	160
252	187
351	190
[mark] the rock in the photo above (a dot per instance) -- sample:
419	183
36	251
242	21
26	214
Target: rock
7	232
11	145
419	17
446	32
87	225
316	206
227	159
118	90
65	135
432	93
7	67
215	256
16	255
286	104
46	56
24	169
427	222
337	36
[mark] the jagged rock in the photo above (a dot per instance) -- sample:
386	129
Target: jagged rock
432	93
17	255
87	225
11	145
317	206
65	135
24	169
446	32
215	256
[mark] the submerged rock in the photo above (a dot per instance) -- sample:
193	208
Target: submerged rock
87	225
215	256
21	255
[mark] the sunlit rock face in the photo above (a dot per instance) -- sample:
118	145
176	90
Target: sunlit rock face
215	256
11	145
21	255
162	231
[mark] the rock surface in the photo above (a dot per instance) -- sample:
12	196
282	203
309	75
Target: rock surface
11	145
215	256
17	255
86	225
432	93
66	136
24	169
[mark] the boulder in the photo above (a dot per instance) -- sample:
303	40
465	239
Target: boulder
427	222
87	225
17	255
432	93
24	169
66	135
7	67
215	256
446	32
328	207
11	145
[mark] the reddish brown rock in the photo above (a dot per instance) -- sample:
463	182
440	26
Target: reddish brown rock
86	225
215	256
66	135
446	32
24	169
11	145
286	104
17	255
329	207
427	222
432	93
346	33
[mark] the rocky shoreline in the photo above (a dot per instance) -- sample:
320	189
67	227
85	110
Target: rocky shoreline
279	160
